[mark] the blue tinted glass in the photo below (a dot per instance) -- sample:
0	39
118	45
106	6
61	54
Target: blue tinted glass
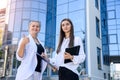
104	40
27	4
113	47
112	22
25	25
76	5
112	32
62	9
43	6
17	25
45	1
113	38
118	36
35	4
110	0
118	11
111	14
26	14
118	21
61	1
114	52
112	27
111	8
34	15
42	19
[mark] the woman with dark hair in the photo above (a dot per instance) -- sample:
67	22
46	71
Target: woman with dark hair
68	71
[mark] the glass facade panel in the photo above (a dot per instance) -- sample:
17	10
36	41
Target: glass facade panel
61	9
118	21
117	11
111	22
25	25
114	53
27	4
62	1
78	3
112	27
105	40
113	47
111	8
26	14
112	32
19	4
111	14
113	38
35	4
17	25
118	35
43	6
34	15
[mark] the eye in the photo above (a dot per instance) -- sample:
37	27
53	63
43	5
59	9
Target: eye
33	25
67	24
63	24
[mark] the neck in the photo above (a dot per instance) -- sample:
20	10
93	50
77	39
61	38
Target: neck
34	36
67	35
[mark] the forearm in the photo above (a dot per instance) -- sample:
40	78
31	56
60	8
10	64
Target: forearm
21	50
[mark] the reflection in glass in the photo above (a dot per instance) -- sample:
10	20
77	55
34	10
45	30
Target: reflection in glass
27	4
35	4
25	25
34	15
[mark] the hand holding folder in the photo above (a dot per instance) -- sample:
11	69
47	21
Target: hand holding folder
73	51
48	62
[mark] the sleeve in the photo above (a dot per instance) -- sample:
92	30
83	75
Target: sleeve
53	60
81	57
17	56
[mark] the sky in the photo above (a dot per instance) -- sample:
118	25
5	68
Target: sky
3	3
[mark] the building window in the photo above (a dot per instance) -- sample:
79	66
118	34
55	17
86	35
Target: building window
99	58
113	39
105	76
111	14
97	28
96	4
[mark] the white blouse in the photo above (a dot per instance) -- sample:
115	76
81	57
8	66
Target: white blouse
29	61
58	60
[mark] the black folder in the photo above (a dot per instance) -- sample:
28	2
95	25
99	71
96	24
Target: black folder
73	51
47	61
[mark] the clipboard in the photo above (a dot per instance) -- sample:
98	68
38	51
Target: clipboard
73	51
51	65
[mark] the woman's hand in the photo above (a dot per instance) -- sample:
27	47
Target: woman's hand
22	46
45	56
68	56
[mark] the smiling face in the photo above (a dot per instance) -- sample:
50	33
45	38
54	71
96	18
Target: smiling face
66	26
34	27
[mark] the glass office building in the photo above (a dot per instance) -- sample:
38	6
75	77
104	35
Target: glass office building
90	23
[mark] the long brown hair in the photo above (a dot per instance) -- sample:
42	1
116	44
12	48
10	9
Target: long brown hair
62	35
